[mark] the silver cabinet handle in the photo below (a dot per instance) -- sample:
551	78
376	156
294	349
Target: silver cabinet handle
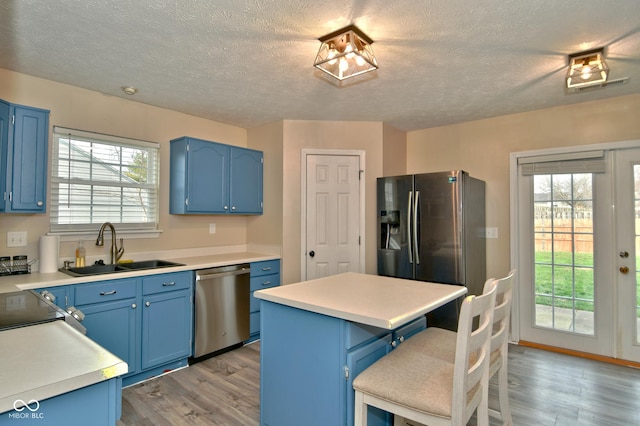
169	284
401	339
108	293
147	304
268	268
394	343
226	207
266	283
233	207
133	306
39	203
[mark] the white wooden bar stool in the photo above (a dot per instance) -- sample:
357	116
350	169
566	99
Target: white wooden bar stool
423	388
441	343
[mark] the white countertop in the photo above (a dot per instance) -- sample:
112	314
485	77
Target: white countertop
46	360
31	281
368	299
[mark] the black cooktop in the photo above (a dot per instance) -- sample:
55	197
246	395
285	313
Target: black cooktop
24	308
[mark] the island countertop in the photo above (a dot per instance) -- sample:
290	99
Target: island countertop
374	300
46	360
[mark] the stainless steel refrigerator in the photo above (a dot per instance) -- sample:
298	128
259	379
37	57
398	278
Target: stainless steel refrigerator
431	227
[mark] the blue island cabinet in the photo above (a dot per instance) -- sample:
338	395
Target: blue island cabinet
97	405
213	178
308	363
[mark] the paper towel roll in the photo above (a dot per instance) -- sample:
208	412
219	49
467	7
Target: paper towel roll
49	246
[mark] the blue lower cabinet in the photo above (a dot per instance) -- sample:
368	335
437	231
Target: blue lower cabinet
166	328
264	274
147	322
113	325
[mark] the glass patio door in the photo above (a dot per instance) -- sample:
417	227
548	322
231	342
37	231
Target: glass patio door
627	191
566	290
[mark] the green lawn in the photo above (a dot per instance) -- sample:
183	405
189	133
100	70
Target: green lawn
571	278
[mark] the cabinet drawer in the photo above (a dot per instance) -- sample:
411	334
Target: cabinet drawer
265	268
264	281
166	282
410	329
105	291
357	333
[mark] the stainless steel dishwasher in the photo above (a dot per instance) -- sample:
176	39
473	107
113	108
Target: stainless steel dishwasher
221	309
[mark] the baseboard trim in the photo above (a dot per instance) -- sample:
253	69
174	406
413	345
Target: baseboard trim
616	361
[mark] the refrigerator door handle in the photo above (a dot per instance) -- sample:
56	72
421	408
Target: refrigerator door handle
409	242
416	246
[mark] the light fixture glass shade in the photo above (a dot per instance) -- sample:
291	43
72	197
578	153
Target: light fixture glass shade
587	69
346	53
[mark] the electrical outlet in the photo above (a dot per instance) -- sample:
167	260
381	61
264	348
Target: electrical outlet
17	239
492	232
212	228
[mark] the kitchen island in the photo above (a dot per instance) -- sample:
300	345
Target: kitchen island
53	374
318	335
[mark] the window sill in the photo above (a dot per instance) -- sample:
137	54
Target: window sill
87	235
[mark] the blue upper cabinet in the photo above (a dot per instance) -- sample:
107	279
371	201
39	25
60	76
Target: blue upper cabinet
24	134
245	189
214	178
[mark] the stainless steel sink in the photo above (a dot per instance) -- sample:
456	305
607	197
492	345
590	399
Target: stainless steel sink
148	264
120	267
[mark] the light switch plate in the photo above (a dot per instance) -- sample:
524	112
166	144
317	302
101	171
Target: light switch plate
17	239
212	228
492	232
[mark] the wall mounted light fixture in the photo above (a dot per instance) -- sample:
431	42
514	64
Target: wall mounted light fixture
346	53
587	69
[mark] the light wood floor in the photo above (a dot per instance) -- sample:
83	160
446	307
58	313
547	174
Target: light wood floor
546	388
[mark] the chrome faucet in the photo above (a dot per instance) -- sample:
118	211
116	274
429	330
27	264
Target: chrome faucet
116	253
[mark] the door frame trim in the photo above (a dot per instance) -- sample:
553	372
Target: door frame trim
303	202
514	237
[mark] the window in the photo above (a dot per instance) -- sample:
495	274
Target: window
101	178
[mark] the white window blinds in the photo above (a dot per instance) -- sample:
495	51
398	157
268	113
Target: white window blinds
100	178
578	162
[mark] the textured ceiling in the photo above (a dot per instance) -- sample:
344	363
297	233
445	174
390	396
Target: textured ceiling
249	62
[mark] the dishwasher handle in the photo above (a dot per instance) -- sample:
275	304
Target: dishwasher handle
201	275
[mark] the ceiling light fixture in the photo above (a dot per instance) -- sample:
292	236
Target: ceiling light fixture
346	53
129	90
587	69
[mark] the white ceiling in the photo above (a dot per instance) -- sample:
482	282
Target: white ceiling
249	62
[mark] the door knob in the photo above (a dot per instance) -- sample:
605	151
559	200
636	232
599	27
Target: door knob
312	253
624	269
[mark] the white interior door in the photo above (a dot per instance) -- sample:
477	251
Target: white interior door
627	211
333	215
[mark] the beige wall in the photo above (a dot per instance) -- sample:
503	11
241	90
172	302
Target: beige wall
298	135
394	151
266	230
86	110
482	148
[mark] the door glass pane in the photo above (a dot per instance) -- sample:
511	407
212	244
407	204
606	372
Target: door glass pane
563	228
636	196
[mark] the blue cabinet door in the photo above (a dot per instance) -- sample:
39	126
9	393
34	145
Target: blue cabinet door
357	361
27	159
207	177
166	327
4	143
246	181
112	325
